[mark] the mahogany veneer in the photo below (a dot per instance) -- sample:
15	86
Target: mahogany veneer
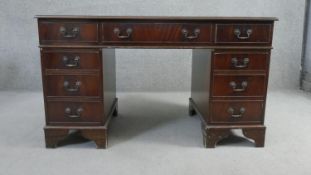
230	70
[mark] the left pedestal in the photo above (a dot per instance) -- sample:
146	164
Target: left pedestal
79	87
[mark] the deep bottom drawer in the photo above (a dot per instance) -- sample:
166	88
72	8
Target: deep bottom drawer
74	113
237	111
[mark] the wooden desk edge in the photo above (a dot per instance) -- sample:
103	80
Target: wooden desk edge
194	18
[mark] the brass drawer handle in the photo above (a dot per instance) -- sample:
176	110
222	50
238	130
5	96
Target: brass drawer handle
73	88
118	33
236	64
231	111
234	86
195	35
70	114
69	34
237	33
71	63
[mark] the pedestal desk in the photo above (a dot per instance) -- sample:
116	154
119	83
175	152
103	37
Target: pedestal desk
230	69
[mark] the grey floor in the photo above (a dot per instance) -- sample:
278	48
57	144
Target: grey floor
154	135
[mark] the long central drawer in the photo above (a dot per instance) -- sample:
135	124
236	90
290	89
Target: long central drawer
156	33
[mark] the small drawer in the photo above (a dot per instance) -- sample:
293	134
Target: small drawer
68	32
73	85
154	33
238	112
239	85
71	59
241	60
74	113
243	33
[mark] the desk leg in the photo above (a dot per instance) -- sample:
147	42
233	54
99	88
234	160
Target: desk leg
191	110
55	135
213	134
257	134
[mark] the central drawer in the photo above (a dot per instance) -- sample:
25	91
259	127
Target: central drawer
73	85
156	33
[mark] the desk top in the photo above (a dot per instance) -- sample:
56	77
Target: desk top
191	18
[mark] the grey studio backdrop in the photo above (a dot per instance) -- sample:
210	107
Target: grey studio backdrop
145	69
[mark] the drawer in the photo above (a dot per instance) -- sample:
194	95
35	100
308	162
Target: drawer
73	85
243	33
74	113
241	60
68	32
71	59
239	85
236	112
156	33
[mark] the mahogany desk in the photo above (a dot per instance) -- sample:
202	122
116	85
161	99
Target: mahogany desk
230	69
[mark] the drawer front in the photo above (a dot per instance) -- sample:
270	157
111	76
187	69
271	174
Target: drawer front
156	33
73	85
244	33
241	60
236	112
74	113
68	32
239	85
71	59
